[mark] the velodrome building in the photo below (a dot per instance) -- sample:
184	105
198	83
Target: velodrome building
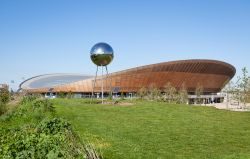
212	75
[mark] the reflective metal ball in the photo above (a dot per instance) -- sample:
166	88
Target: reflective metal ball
101	54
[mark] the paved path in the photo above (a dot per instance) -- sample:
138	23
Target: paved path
228	106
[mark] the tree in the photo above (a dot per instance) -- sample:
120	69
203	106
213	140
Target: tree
183	94
122	96
61	94
110	96
142	92
198	93
236	90
69	95
243	88
248	92
170	92
156	93
229	90
153	91
244	85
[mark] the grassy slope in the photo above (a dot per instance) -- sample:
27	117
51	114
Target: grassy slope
158	130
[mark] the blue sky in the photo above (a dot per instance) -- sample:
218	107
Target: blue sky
55	36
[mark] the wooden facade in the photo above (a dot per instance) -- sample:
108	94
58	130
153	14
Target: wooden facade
212	75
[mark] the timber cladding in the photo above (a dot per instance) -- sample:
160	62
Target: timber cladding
212	75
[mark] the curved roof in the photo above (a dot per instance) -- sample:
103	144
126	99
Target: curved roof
191	66
211	74
52	80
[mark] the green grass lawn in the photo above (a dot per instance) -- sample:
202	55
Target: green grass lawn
159	130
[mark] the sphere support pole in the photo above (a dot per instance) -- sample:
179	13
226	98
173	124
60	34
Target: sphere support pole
93	84
110	81
102	84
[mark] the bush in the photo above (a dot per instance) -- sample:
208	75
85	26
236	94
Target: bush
69	95
43	104
38	109
4	96
3	108
142	92
52	138
61	95
110	96
29	98
53	126
122	96
44	137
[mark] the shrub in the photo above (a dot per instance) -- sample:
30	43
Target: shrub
153	92
122	96
44	137
198	92
110	96
53	126
170	93
182	97
2	108
38	109
44	105
52	138
69	95
142	92
29	98
61	95
4	96
22	111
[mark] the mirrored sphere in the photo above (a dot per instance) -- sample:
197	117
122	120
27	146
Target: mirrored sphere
101	54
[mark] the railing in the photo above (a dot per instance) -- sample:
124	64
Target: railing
206	96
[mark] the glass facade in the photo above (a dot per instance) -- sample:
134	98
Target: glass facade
51	80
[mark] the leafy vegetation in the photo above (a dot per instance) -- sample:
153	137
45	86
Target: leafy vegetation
170	94
159	130
3	108
142	92
244	86
198	93
239	91
33	131
4	95
4	98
